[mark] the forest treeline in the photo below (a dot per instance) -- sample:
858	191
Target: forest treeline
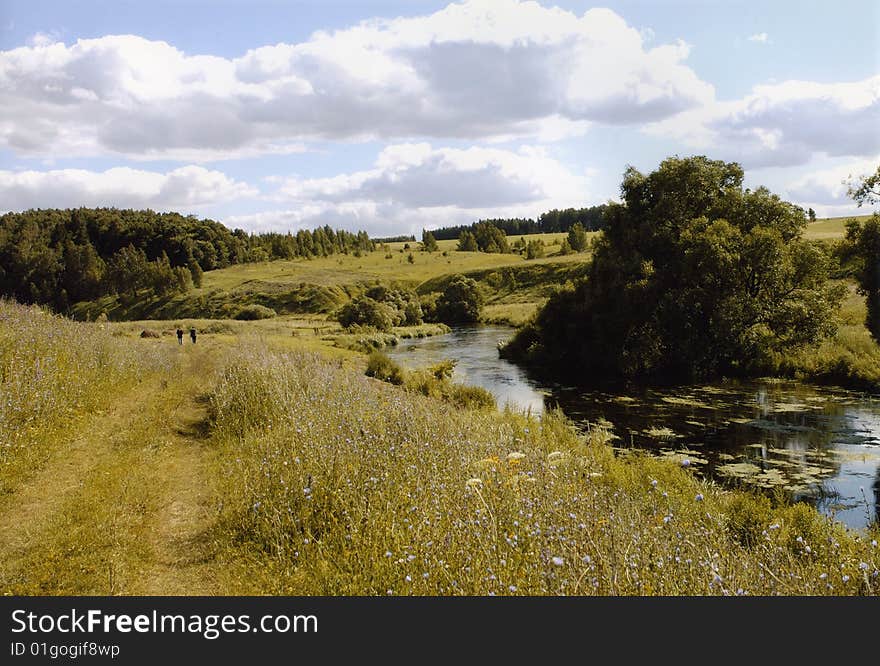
59	257
553	221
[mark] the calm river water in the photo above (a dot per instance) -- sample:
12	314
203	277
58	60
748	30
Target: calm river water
820	444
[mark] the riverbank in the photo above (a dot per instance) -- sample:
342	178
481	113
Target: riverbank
812	443
336	484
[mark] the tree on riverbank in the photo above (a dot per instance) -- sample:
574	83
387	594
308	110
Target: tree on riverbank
862	244
693	277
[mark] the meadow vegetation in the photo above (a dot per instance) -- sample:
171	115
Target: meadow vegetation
54	372
336	484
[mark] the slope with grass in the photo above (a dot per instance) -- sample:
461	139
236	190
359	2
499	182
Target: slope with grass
250	464
318	285
105	474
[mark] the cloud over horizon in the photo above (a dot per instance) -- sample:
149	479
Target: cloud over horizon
785	124
120	187
419	186
460	72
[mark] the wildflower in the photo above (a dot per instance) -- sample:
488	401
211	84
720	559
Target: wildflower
387	553
586	559
653	483
845	578
512	588
685	463
557	561
699	497
823	576
863	566
807	549
774	526
873	543
408	578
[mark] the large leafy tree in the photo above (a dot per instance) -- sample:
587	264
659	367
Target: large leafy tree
693	277
862	246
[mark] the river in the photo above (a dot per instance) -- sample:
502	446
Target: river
820	444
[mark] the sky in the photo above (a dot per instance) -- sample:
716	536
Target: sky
394	117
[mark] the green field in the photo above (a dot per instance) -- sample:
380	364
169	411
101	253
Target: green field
832	228
513	286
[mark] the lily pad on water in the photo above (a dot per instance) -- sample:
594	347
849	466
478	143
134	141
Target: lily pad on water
791	407
661	433
686	401
770	478
679	456
741	470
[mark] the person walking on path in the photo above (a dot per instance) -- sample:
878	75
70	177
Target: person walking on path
180	336
192	334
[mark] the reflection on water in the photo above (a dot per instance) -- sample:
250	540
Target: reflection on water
820	445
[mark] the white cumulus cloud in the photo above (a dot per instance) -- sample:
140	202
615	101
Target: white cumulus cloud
825	190
121	187
414	186
785	124
479	69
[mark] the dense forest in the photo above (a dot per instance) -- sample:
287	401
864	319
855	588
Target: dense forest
553	221
59	257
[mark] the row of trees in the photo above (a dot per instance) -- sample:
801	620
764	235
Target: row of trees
553	221
59	257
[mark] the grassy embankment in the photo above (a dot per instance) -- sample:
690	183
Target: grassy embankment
299	475
338	485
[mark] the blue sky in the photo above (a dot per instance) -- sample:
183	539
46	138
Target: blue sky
398	116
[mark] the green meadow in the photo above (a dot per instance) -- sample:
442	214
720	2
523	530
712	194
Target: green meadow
259	462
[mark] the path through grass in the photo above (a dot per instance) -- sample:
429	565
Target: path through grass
125	506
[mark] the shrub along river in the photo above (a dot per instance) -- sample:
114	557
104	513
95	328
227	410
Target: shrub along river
818	444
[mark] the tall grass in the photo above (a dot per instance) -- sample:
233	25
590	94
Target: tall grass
850	358
335	484
53	370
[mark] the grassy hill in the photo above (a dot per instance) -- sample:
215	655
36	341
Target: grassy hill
319	286
514	287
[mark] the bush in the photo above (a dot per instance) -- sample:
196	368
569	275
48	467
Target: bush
535	249
254	312
382	367
460	302
471	397
365	311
